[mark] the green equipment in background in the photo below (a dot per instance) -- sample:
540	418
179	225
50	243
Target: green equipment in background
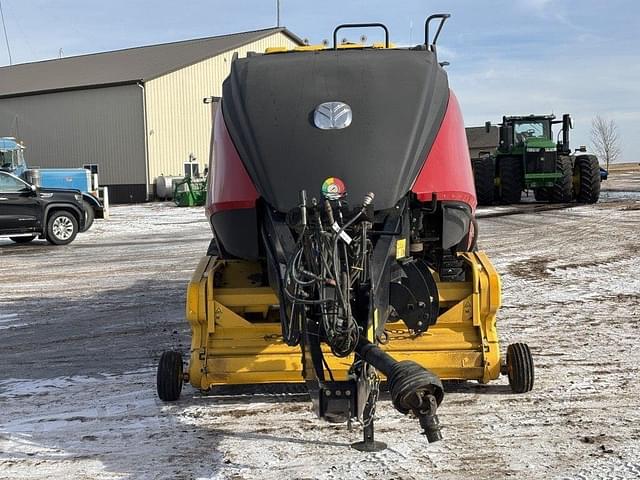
190	192
528	157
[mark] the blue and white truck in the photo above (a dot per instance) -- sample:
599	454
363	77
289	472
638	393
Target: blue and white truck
12	160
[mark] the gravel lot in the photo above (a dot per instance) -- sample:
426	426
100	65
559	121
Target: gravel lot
82	326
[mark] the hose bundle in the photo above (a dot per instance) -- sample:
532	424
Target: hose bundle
331	257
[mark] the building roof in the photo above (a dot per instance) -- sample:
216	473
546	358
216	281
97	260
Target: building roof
477	137
121	66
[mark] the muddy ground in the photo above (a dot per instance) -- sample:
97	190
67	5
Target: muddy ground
82	326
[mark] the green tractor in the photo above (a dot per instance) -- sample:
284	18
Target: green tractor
528	158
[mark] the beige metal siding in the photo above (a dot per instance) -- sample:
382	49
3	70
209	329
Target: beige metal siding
178	122
70	129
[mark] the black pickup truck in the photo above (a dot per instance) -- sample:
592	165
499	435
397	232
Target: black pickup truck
27	212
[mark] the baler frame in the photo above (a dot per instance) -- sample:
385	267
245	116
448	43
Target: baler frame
231	345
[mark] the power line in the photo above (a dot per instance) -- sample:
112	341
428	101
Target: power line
15	21
6	38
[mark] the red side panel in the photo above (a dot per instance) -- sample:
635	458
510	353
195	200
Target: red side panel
447	172
230	186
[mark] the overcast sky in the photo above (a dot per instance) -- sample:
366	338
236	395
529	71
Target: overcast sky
507	57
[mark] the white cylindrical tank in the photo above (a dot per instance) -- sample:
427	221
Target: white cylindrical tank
164	187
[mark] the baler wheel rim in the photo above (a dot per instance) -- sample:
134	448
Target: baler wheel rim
520	368
169	376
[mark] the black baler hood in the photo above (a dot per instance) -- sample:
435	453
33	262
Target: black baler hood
398	99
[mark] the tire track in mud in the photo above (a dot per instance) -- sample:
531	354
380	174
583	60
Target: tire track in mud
544	268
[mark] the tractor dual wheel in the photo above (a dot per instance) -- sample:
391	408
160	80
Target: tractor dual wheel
562	190
520	367
484	172
586	179
511	180
169	377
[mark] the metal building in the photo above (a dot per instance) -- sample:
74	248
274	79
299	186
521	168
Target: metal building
482	142
130	114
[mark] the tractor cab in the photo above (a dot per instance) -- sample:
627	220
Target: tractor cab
533	131
528	140
536	130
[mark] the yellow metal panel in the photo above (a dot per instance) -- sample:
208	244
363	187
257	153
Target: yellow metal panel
303	48
315	48
194	296
310	48
347	46
246	297
401	248
382	45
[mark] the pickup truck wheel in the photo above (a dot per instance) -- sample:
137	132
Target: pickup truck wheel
89	216
62	228
23	239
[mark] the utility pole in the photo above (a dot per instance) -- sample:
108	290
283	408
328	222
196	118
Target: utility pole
6	38
277	13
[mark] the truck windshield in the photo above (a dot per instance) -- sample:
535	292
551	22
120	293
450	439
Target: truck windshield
535	129
11	159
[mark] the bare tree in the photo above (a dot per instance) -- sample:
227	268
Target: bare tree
604	137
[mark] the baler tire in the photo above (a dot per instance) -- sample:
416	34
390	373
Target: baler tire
587	170
484	172
520	368
562	191
511	180
89	216
169	376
